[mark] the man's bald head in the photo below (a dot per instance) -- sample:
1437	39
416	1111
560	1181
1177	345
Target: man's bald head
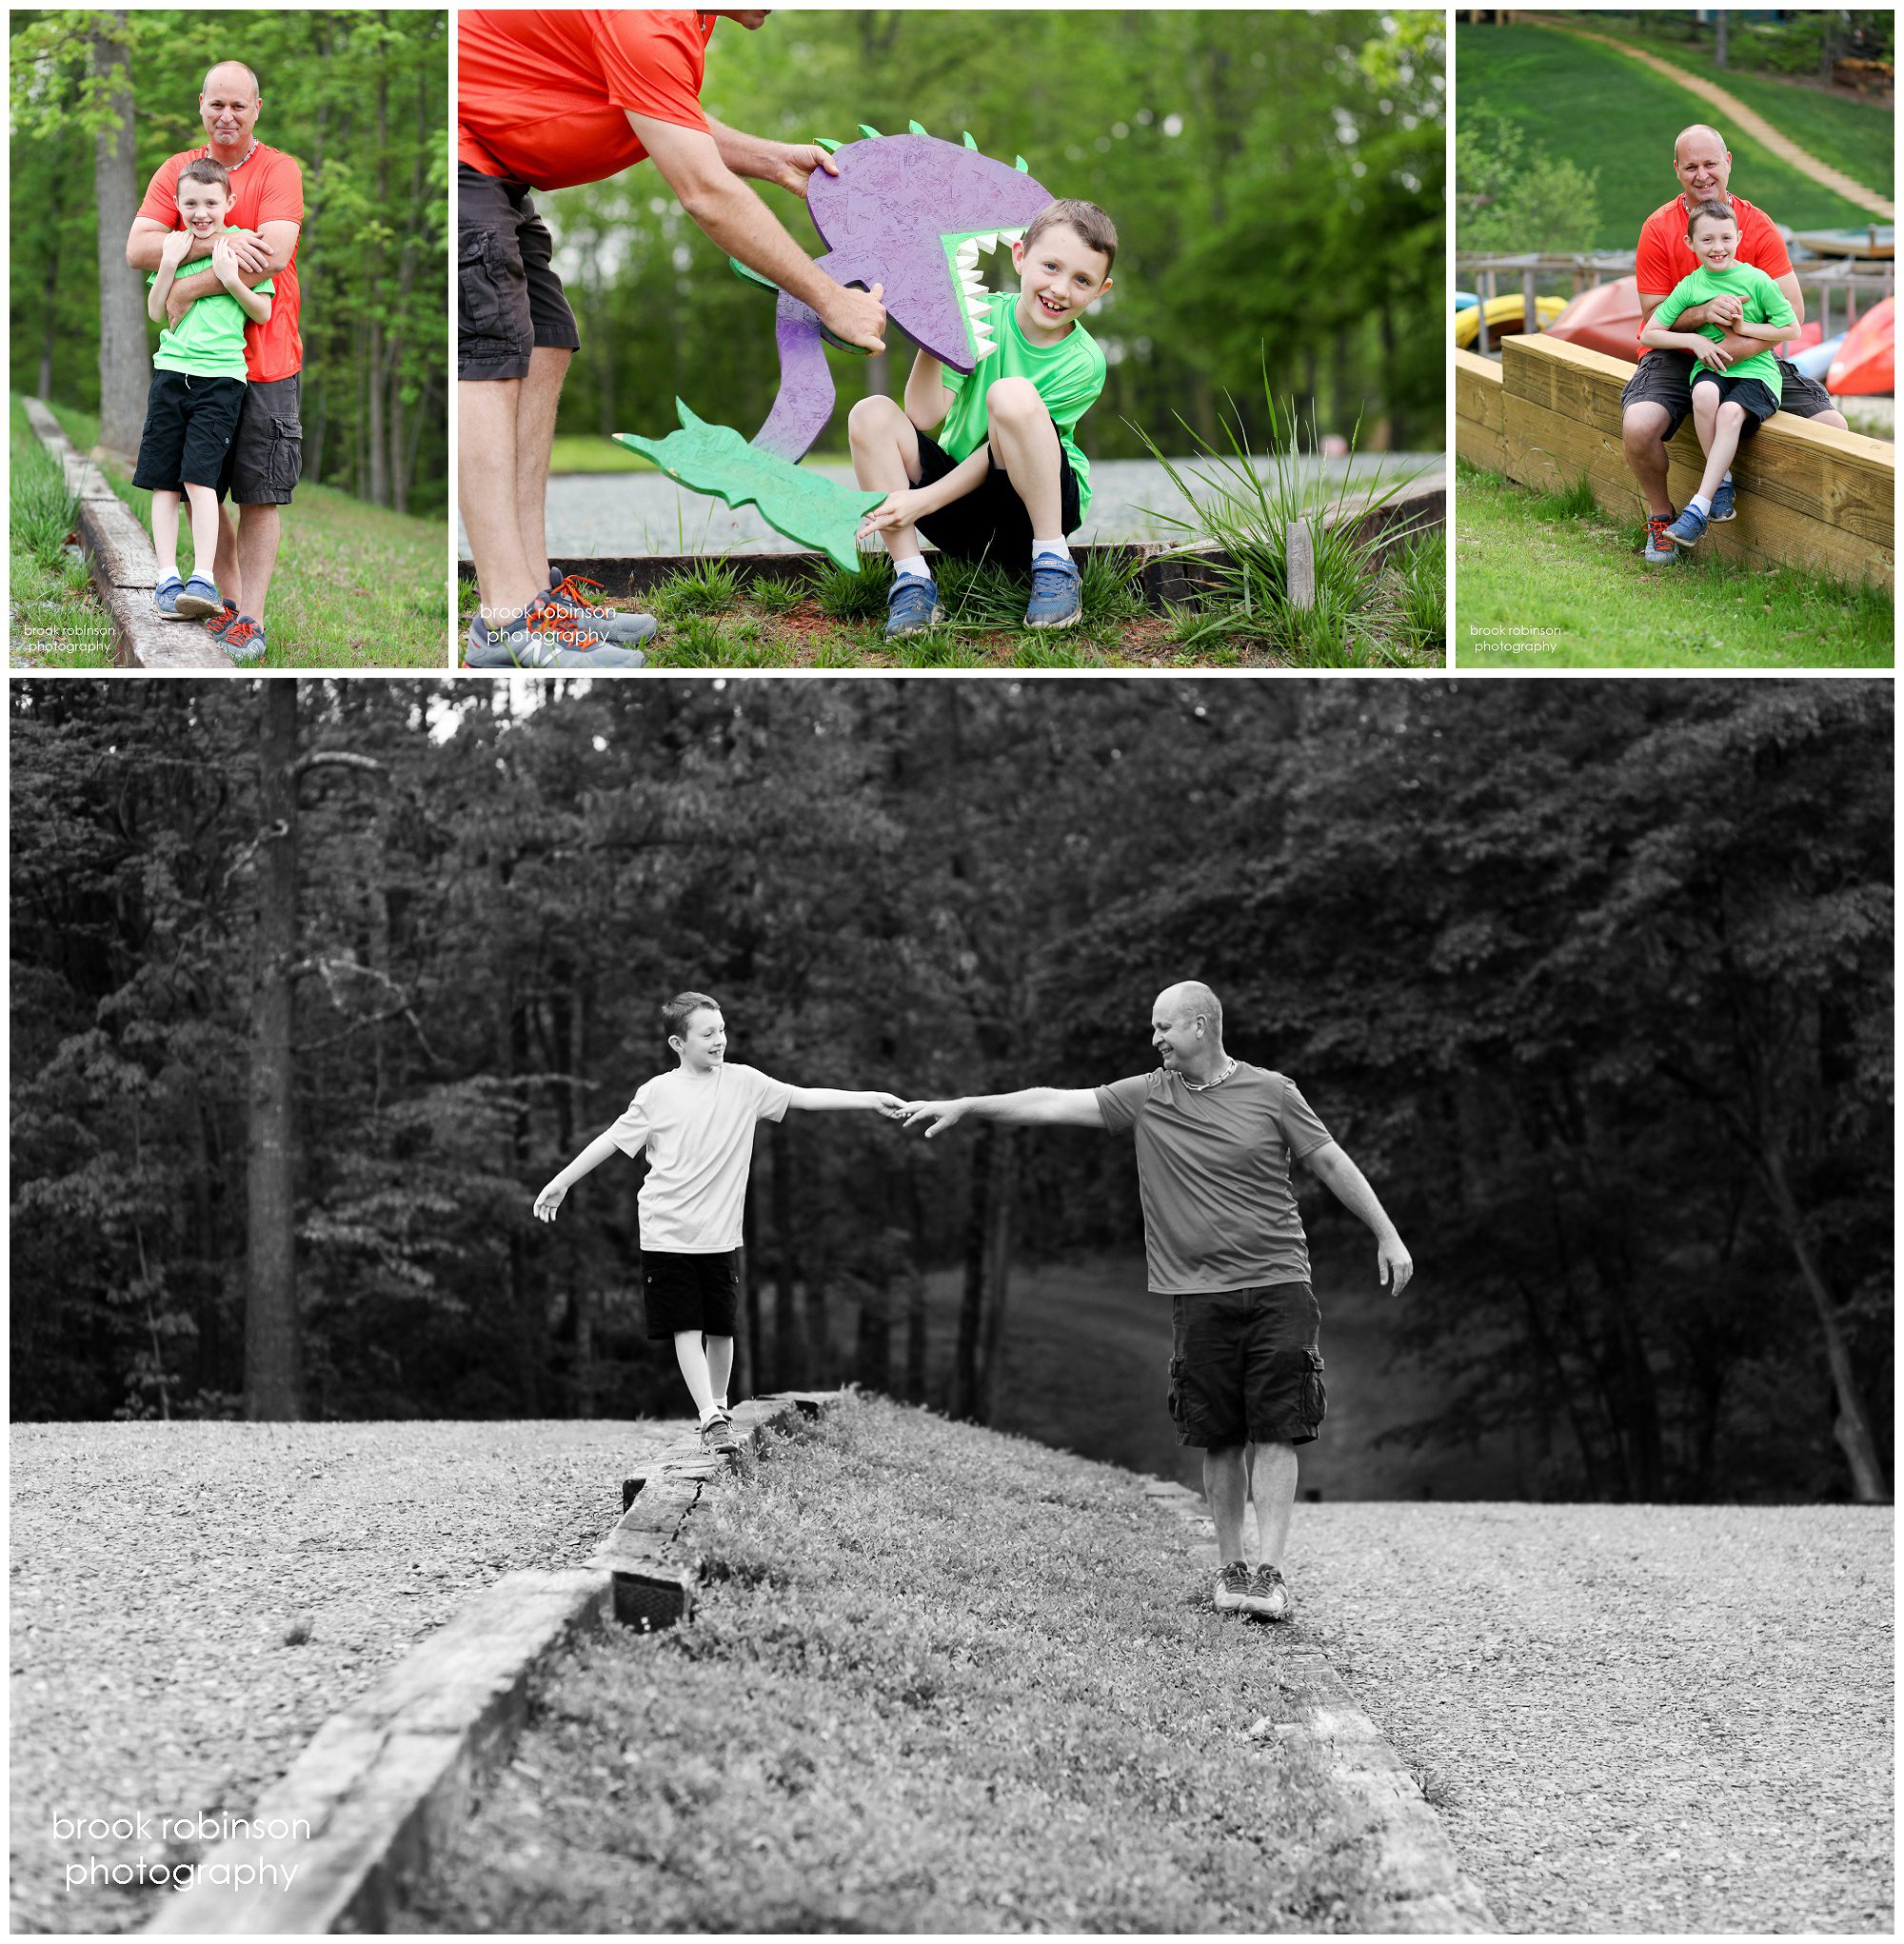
228	76
1190	999
1702	162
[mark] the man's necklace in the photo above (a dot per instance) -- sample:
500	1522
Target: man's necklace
1201	1086
241	160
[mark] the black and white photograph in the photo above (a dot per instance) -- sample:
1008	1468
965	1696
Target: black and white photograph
904	1303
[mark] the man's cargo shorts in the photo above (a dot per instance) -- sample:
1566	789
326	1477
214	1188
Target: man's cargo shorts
1665	378
1244	1368
509	298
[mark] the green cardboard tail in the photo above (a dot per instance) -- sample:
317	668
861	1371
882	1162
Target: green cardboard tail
717	461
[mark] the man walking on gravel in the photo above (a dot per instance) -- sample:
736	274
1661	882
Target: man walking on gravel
1659	397
1216	1140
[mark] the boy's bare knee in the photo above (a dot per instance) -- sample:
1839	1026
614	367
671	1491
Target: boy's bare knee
1013	398
873	415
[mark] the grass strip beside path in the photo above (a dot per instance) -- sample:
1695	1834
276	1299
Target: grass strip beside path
939	1679
1548	581
355	586
55	620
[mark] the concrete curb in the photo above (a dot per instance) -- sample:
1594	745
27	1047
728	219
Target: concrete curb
1418	1886
387	1781
125	569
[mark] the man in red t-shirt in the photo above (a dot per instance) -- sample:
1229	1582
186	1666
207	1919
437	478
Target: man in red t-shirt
266	454
545	100
1659	396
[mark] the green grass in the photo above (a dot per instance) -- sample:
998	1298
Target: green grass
1547	579
583	452
938	1681
1583	102
56	621
1854	136
355	587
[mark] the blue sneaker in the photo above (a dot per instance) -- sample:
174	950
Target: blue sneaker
197	599
165	597
913	606
1659	548
1057	593
1688	530
1725	499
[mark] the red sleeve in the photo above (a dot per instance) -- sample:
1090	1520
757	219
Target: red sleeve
1765	249
652	64
281	200
161	204
1653	269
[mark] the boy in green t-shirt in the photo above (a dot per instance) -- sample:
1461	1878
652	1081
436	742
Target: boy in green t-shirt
1004	480
197	392
1730	401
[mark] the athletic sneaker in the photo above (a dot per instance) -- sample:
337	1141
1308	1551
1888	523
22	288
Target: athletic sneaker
215	625
555	639
198	597
165	597
1268	1594
913	606
1057	593
242	638
1233	1584
717	1434
1659	548
1725	497
1688	530
624	630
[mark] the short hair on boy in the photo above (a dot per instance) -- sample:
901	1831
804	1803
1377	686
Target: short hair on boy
201	169
1721	212
1094	230
681	1007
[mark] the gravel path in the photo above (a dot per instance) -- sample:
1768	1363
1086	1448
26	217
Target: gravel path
1632	1719
157	1570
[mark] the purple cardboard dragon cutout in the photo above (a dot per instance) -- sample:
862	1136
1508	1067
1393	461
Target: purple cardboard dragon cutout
908	211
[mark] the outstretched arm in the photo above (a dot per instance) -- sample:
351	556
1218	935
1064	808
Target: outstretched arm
1350	1187
826	1099
910	505
586	1162
1031	1106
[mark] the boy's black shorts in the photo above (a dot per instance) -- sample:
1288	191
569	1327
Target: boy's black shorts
189	423
682	1292
1753	394
1665	378
990	523
509	298
1244	1368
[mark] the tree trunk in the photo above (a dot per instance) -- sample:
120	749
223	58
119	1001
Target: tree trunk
273	1358
965	1398
998	1270
789	1358
1719	29
125	365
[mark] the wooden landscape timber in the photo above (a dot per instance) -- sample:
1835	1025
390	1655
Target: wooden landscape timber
1809	496
125	569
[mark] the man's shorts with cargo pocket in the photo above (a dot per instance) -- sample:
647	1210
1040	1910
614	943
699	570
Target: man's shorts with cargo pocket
265	460
509	298
1665	378
1244	1368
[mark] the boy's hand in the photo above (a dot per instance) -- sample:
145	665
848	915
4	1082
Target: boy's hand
888	1106
549	1200
898	509
225	264
171	251
1727	308
942	1113
1714	356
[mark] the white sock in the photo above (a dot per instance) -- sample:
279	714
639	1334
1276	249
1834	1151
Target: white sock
1727	480
1056	546
913	564
1699	503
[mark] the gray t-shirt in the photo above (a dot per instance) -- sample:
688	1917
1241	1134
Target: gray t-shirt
1212	1169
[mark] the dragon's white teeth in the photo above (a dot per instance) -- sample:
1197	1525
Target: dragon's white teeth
968	252
990	242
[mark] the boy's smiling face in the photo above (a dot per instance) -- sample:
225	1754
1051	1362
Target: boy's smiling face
1714	242
202	207
1060	277
703	1041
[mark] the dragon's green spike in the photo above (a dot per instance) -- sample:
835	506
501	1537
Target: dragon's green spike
874	133
1020	164
825	142
970	143
913	127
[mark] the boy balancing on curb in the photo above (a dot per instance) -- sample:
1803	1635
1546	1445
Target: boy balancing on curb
1005	478
197	392
1729	402
696	1126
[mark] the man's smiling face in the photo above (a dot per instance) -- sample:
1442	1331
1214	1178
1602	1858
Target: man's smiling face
1703	166
228	107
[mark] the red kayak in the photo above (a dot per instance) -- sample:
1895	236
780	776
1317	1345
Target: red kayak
1607	319
1865	364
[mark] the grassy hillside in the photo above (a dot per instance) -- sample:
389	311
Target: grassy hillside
1583	102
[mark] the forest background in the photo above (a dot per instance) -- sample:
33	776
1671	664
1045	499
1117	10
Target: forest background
1276	180
313	986
360	99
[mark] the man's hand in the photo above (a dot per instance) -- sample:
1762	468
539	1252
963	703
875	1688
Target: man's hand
1394	1265
253	255
942	1114
549	1200
902	509
856	318
1727	308
794	165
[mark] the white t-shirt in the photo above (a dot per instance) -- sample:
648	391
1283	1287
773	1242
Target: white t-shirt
698	1133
